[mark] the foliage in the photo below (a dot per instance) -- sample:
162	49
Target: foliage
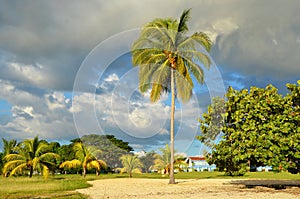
111	147
131	163
260	128
167	57
9	146
85	159
1	162
31	155
66	152
162	161
212	122
119	143
148	161
291	129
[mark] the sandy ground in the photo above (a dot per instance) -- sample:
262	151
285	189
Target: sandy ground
159	188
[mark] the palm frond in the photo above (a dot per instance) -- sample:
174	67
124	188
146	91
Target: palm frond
35	162
185	16
184	91
18	169
48	156
71	164
11	157
160	81
158	29
102	164
41	148
9	146
12	164
94	164
136	170
45	171
203	40
195	69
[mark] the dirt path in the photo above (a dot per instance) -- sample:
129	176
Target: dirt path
159	188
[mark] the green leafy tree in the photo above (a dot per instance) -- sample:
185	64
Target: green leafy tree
85	159
31	155
212	122
292	126
131	163
167	57
260	128
148	161
119	143
66	153
111	147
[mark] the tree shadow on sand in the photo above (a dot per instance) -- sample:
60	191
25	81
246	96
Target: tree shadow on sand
276	184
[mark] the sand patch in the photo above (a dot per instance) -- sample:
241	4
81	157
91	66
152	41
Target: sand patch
159	188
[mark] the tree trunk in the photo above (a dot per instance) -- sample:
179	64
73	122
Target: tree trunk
30	171
172	178
130	174
84	172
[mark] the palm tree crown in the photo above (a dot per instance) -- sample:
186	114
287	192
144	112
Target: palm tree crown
85	158
163	45
130	163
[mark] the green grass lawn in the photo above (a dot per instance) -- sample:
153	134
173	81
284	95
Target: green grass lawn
62	186
37	186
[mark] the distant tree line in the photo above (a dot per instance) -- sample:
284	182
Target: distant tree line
88	154
258	127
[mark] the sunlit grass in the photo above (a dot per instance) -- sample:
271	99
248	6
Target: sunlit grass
63	186
53	187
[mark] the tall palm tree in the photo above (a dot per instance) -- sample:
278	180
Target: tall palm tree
167	57
85	158
130	163
31	155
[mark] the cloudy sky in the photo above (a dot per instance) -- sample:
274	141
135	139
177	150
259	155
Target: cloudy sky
65	66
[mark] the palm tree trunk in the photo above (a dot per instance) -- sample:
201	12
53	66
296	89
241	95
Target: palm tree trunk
30	171
172	178
84	172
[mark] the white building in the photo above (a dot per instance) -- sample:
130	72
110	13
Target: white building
198	163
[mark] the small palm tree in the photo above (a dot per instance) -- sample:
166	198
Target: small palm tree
131	163
31	155
85	159
163	161
167	57
9	146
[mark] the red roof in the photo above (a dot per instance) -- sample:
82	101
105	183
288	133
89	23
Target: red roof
196	158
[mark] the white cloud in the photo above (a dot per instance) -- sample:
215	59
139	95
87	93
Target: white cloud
112	77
